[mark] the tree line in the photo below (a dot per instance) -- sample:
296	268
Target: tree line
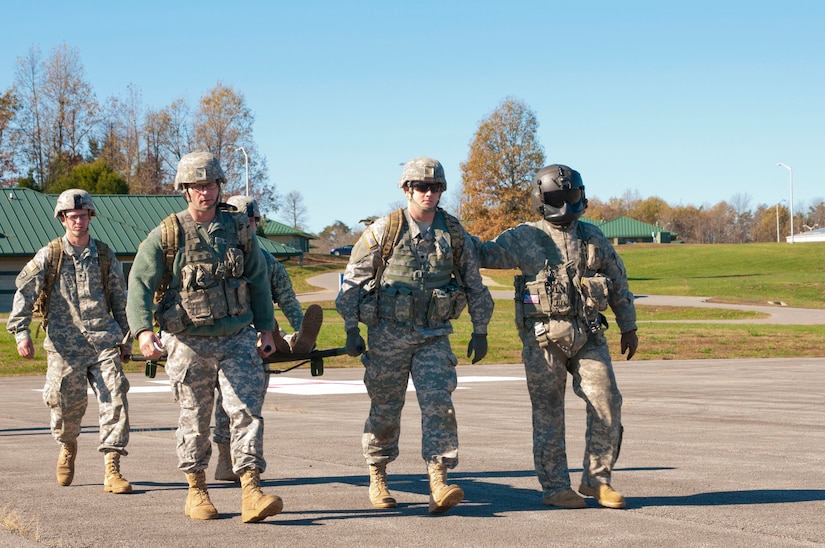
505	154
55	134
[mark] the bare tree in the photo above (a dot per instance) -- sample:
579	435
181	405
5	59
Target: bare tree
223	124
124	121
294	210
29	124
335	235
59	112
8	137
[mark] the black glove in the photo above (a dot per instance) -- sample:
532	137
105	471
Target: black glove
630	341
355	343
478	344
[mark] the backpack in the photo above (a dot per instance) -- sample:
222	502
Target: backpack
392	233
53	264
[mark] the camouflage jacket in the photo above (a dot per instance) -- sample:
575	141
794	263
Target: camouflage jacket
531	246
80	321
365	262
149	266
282	292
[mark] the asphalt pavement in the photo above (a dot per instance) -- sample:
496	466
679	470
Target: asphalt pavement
715	453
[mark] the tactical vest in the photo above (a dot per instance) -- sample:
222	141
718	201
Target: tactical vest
567	291
211	282
424	295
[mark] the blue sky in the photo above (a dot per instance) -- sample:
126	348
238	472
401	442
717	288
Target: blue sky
694	102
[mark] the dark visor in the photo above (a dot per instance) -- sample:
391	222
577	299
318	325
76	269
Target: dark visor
558	198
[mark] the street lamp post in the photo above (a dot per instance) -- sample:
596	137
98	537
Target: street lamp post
790	204
777	220
246	166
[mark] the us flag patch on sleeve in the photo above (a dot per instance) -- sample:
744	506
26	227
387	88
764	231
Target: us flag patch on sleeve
369	237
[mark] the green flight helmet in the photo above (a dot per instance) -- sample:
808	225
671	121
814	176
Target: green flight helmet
557	194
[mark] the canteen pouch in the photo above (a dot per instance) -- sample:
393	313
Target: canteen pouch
595	290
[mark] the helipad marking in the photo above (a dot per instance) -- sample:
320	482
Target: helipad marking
315	387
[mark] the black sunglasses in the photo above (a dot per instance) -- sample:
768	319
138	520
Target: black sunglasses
423	187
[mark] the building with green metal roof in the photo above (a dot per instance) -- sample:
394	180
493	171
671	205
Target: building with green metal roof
27	223
287	235
624	230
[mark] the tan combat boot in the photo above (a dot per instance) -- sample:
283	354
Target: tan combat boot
113	482
65	462
304	341
380	496
604	495
255	506
442	496
566	498
223	470
198	505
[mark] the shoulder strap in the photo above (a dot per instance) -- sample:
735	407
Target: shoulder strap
55	261
456	241
105	262
244	231
170	242
392	232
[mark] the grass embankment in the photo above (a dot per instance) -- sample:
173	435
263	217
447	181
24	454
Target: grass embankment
744	274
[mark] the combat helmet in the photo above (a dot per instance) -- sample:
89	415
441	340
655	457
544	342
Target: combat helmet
74	198
557	194
198	167
245	204
423	169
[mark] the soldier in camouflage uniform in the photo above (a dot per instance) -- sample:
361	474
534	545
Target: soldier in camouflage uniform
85	326
570	274
214	299
406	293
302	340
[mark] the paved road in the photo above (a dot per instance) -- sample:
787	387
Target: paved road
778	314
716	453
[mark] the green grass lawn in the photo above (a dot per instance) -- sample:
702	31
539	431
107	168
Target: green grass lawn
746	274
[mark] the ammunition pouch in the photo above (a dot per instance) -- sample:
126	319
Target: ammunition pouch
368	304
446	304
407	307
595	290
204	297
546	294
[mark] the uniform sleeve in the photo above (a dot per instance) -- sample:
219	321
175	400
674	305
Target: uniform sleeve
284	295
479	301
501	253
28	283
620	298
362	267
144	279
257	272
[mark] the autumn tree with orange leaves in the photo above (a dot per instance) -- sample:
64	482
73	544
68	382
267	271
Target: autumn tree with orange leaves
504	156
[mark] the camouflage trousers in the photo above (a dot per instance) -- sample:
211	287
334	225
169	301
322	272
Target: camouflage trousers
66	395
197	366
595	383
220	434
395	354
